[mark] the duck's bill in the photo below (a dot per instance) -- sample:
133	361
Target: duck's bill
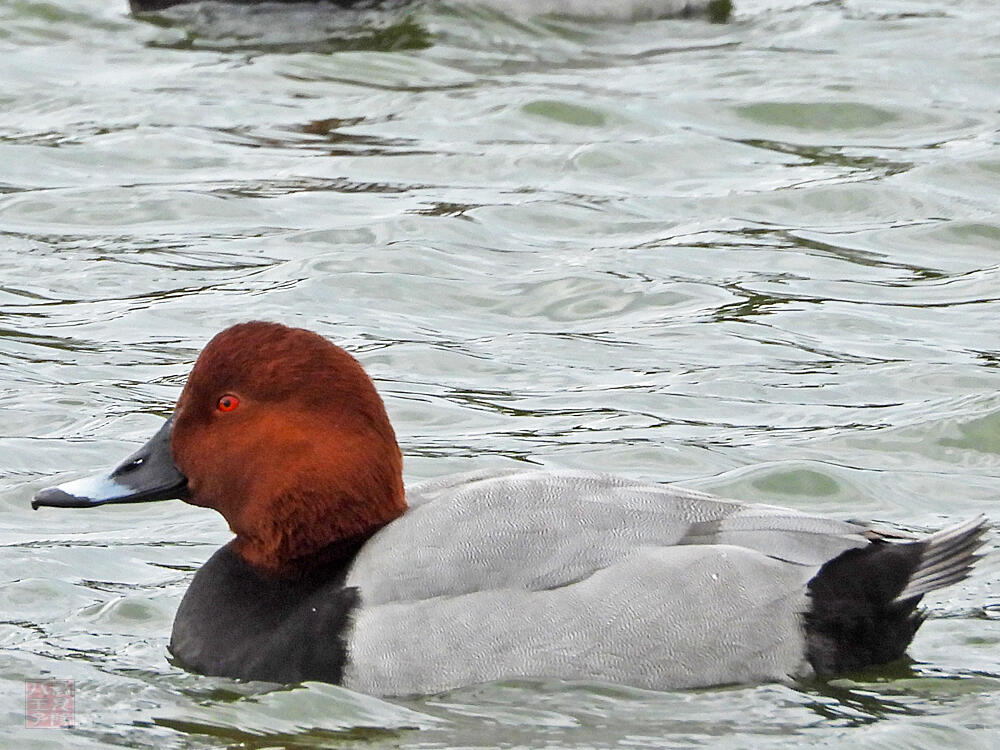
147	475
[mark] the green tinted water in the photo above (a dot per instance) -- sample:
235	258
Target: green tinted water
761	258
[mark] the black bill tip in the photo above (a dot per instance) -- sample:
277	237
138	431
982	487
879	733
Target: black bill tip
57	498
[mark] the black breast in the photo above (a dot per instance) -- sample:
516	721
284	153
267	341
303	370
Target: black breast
235	622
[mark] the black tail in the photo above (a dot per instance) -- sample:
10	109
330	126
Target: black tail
864	602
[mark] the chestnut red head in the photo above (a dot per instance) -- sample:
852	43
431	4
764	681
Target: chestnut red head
285	435
280	431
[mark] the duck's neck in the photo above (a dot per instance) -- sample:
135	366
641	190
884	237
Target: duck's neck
334	556
305	530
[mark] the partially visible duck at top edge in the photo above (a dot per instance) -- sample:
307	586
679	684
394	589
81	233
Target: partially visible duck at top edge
337	575
620	10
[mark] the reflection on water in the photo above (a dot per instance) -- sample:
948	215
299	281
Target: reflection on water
758	257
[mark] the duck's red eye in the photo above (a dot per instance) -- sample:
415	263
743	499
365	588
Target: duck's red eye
228	402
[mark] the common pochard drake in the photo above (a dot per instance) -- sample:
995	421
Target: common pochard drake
336	574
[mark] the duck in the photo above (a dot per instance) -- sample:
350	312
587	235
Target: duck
619	10
338	573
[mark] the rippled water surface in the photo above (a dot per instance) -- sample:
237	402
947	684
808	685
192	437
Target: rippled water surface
759	257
